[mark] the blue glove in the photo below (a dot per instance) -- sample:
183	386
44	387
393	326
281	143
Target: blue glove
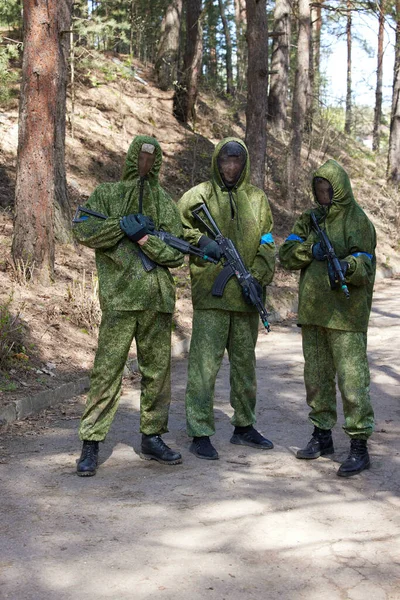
209	247
318	252
246	291
132	228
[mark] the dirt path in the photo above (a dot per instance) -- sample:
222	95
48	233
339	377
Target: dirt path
251	525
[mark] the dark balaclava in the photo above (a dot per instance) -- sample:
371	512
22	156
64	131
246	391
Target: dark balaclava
234	155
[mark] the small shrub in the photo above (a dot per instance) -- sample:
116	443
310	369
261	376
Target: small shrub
11	333
83	303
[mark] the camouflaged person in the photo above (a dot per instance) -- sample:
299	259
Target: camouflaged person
334	328
135	303
242	213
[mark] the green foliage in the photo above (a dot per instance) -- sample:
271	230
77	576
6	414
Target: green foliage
120	26
7	75
11	333
10	14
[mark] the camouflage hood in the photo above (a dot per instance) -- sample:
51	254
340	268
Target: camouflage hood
131	169
340	182
215	174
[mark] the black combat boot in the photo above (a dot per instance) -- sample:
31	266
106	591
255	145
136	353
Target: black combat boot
357	460
248	436
154	448
87	463
203	448
320	444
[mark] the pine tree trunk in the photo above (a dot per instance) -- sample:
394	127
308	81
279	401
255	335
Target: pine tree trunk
393	170
241	24
348	119
257	83
316	20
379	76
166	66
300	93
40	163
313	97
279	80
228	56
187	89
212	59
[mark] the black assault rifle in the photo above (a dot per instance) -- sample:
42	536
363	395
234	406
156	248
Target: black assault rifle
234	265
333	260
168	238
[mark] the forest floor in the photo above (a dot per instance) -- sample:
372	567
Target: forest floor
56	328
252	525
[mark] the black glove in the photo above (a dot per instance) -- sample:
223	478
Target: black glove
132	228
209	247
318	252
246	290
147	222
334	282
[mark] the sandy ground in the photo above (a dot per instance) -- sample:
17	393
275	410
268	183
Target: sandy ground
251	525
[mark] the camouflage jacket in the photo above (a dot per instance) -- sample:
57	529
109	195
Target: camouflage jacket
123	283
354	240
249	227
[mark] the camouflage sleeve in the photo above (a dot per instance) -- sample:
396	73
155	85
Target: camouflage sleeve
95	232
170	221
189	201
361	258
263	266
296	251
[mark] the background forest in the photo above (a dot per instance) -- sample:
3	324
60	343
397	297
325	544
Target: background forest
79	79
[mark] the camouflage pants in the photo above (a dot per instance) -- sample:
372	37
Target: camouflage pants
213	331
328	352
152	331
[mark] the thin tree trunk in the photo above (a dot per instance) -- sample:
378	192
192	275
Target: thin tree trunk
393	170
257	83
40	163
187	89
212	58
300	93
316	20
166	66
240	21
228	56
72	67
348	120
379	76
313	97
279	80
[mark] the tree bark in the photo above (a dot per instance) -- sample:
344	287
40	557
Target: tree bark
241	24
210	58
228	54
300	94
187	89
379	77
257	83
279	80
348	119
315	56
40	197
166	66
393	170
